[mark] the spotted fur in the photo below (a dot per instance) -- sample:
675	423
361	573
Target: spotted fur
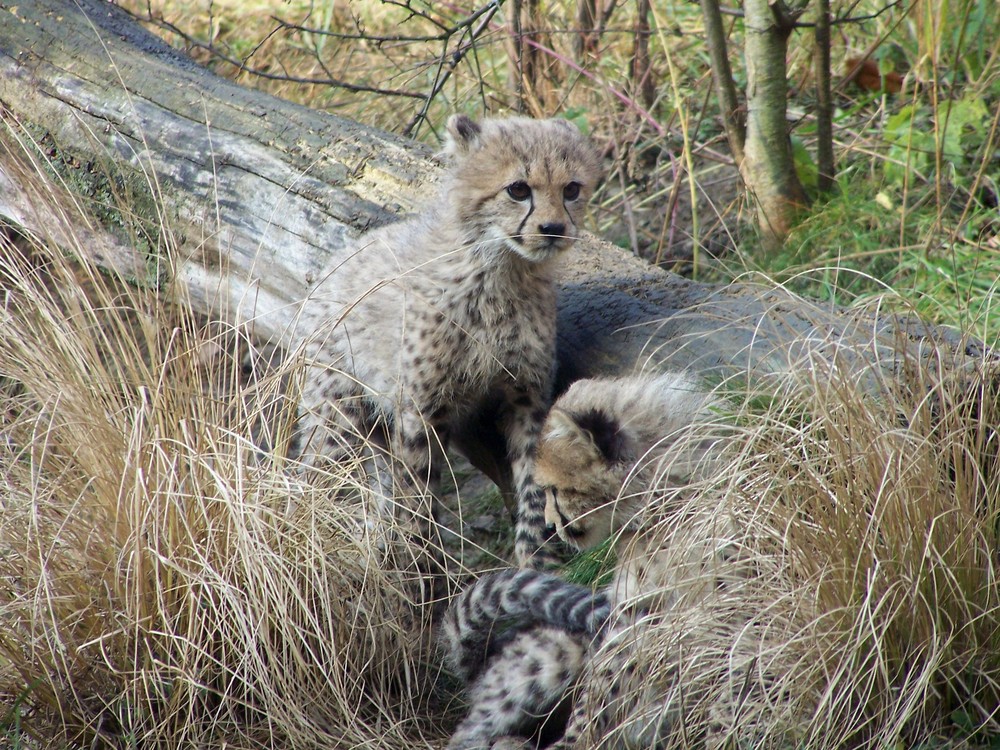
602	443
606	441
424	320
480	617
519	639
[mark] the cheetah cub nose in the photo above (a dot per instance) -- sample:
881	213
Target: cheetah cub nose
552	229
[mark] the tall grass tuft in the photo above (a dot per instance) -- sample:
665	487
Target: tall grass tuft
894	537
165	581
856	603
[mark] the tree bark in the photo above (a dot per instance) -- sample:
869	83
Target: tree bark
826	165
643	84
722	77
256	195
768	167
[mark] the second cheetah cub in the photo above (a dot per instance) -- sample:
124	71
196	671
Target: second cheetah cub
606	442
429	318
540	655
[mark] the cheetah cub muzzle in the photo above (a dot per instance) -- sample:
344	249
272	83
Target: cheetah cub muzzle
422	322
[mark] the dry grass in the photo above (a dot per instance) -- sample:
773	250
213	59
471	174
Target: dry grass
861	606
165	582
884	511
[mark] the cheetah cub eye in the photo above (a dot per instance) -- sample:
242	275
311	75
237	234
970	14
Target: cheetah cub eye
519	191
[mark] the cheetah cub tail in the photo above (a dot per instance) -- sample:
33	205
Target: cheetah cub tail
483	618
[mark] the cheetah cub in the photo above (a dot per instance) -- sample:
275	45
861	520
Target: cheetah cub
537	652
605	442
424	320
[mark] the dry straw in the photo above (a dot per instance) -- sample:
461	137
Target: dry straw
165	581
835	583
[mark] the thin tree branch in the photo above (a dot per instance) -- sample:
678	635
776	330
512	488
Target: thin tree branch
446	31
449	63
824	101
738	13
242	66
722	76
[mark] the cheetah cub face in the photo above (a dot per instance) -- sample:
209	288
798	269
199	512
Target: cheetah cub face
607	442
521	183
583	460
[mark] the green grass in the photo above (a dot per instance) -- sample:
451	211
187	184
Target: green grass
593	567
860	246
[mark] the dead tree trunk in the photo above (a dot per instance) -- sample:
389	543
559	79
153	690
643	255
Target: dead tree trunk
256	195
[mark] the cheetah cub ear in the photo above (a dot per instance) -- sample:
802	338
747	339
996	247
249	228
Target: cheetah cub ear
591	432
463	135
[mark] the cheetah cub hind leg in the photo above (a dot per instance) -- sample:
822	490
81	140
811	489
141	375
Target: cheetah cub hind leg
519	638
524	692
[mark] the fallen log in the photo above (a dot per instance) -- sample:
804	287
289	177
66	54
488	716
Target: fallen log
253	195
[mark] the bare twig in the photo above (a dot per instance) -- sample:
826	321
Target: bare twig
591	24
243	67
445	33
470	28
846	19
517	39
448	63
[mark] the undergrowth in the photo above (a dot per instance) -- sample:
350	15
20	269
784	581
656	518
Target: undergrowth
166	583
916	131
858	247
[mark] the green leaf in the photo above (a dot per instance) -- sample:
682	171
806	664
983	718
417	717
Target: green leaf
805	166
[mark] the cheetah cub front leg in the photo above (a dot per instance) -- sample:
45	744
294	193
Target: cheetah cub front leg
426	320
521	424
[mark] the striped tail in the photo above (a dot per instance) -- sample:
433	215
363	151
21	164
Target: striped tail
498	606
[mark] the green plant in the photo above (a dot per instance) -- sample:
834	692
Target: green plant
947	143
955	41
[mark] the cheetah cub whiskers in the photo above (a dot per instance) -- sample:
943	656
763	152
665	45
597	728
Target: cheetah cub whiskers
424	320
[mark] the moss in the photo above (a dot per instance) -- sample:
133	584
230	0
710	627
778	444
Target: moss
118	198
